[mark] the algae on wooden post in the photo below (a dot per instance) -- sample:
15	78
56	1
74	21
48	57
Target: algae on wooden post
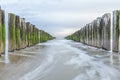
106	31
12	39
37	35
119	30
2	31
31	35
23	33
28	26
87	34
17	32
44	36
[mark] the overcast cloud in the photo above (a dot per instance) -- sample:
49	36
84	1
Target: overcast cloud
60	17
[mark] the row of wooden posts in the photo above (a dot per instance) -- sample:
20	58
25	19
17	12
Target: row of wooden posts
21	34
102	32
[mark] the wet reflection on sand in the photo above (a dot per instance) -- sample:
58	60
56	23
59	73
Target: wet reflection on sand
60	60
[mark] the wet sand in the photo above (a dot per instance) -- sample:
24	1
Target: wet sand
60	60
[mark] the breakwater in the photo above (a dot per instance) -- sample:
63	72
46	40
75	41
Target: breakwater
21	34
100	32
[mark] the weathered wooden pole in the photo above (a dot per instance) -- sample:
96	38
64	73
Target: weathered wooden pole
2	31
40	35
30	41
28	27
92	26
23	33
94	33
33	34
82	35
119	30
17	32
115	30
90	34
85	30
99	32
106	31
87	34
37	35
32	27
12	39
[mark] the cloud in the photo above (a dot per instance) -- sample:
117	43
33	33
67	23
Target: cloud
5	2
60	17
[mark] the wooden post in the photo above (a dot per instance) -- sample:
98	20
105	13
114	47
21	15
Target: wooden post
12	39
115	30
17	32
23	33
2	31
92	27
28	26
31	34
87	34
99	32
106	31
90	34
119	31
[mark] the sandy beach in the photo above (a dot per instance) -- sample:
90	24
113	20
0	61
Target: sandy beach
60	60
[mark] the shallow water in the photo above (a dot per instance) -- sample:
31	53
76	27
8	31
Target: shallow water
61	60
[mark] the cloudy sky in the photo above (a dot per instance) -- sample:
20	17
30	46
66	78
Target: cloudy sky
60	17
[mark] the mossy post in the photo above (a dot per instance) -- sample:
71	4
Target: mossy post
28	26
31	34
23	34
41	36
85	30
2	31
87	34
115	30
37	35
30	38
44	36
12	39
106	31
119	30
17	32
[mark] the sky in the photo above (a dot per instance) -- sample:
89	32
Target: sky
60	17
